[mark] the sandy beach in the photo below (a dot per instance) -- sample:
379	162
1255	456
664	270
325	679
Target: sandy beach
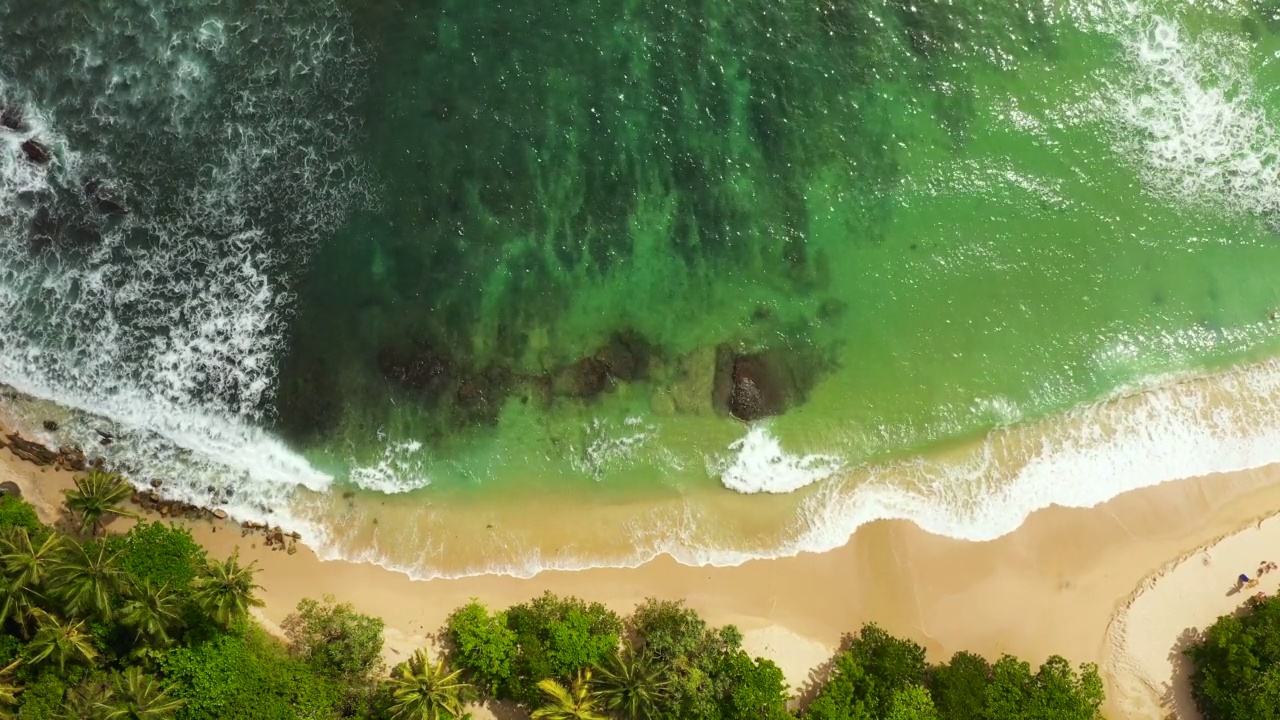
1116	584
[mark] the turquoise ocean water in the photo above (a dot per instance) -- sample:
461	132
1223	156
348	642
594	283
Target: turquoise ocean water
399	272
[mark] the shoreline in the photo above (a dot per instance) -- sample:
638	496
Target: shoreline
1056	585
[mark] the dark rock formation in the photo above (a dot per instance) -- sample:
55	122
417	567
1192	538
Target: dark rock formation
11	118
50	425
36	152
758	385
10	488
103	201
66	458
420	369
625	358
585	378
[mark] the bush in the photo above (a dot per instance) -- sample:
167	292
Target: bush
665	631
749	689
1054	692
335	639
157	552
245	675
703	665
1237	674
868	676
482	645
42	698
555	638
959	688
16	512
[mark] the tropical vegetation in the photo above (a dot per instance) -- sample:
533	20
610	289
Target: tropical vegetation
1236	661
143	625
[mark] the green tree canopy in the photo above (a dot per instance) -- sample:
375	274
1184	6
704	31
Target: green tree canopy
334	638
868	675
1237	673
163	555
245	675
482	645
16	512
558	638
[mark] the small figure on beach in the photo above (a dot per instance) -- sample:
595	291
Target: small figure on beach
1244	582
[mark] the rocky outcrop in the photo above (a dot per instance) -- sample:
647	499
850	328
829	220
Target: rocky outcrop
103	200
66	458
11	118
751	386
624	358
36	152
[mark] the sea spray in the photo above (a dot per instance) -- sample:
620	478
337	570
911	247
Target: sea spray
224	155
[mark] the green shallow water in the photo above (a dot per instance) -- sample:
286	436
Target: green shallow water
942	213
398	239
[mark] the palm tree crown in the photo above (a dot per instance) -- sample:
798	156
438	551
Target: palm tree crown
60	641
24	565
575	702
152	612
422	691
9	690
630	686
137	696
225	589
96	495
87	579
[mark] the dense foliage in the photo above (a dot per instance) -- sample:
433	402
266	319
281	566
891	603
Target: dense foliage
144	625
880	676
1237	673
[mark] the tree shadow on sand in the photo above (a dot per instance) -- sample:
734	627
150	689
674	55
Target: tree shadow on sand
1177	694
818	676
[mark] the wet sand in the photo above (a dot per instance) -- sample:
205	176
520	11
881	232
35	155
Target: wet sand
1052	587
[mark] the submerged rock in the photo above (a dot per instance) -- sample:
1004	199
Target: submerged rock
36	152
585	378
103	200
625	358
757	385
50	425
11	118
43	230
693	389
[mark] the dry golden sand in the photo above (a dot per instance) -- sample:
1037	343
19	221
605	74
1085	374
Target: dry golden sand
1052	587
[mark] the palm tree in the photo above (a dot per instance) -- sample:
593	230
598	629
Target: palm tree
422	691
575	702
60	641
9	689
630	686
25	566
85	702
138	696
225	589
152	612
96	495
87	579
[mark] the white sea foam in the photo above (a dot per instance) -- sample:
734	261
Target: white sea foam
608	446
402	468
166	327
757	463
1202	133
